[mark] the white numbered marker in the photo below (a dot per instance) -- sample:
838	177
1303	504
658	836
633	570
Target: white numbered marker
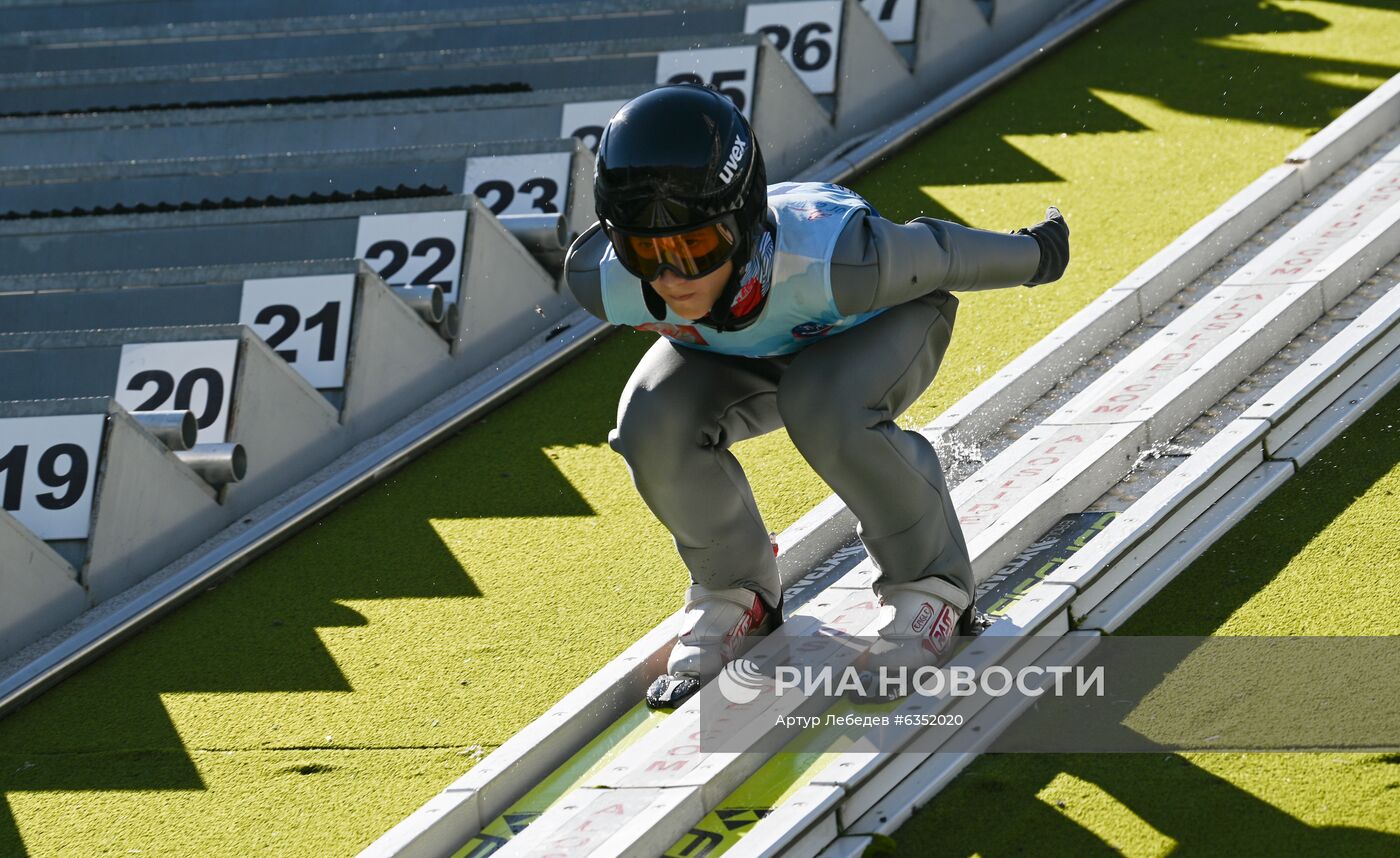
729	70
195	376
306	320
520	184
48	466
419	249
808	35
895	17
586	120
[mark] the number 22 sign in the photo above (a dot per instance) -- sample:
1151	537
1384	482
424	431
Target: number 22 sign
417	249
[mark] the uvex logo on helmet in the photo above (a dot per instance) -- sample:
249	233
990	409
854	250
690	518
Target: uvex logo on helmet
736	154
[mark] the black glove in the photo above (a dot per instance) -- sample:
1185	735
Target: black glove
1052	234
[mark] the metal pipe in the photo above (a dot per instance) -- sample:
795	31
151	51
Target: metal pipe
450	325
542	234
175	429
426	301
218	465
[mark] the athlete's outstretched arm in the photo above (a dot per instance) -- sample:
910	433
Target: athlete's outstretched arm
878	263
581	272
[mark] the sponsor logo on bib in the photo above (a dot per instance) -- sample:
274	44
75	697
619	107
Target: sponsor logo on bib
809	330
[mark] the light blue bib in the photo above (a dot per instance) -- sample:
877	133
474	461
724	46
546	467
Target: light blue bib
800	309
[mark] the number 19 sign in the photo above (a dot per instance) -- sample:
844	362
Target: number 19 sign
48	466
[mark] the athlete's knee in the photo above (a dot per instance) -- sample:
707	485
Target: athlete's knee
654	425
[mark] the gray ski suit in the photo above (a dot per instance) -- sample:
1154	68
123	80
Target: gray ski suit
838	396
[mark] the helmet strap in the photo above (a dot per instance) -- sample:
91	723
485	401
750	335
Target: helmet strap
656	305
721	315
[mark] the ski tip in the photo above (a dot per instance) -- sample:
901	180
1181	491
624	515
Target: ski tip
669	691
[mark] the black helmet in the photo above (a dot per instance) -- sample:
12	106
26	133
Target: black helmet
678	157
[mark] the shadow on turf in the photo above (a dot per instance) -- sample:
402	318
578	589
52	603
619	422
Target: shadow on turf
106	727
992	808
1055	96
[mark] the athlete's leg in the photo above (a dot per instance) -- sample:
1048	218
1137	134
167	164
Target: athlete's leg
839	399
678	416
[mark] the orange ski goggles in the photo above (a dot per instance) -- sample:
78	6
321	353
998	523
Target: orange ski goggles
690	254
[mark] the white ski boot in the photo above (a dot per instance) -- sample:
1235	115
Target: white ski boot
717	626
920	622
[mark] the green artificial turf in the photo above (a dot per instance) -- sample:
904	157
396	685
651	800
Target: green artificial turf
312	701
1318	557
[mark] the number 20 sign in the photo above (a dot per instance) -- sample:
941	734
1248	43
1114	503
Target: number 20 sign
48	466
417	249
192	376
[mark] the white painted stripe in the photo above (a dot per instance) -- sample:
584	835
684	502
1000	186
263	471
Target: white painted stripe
1038	484
1152	377
1346	136
937	770
847	846
438	828
610	822
810	812
1377	245
1296	257
1336	366
1151	523
1030	463
1214	523
1349	406
1027	378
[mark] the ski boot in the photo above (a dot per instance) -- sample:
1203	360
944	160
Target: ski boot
920	623
717	627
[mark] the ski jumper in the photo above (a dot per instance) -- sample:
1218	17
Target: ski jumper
855	321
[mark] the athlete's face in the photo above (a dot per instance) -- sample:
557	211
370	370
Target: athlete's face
691	299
